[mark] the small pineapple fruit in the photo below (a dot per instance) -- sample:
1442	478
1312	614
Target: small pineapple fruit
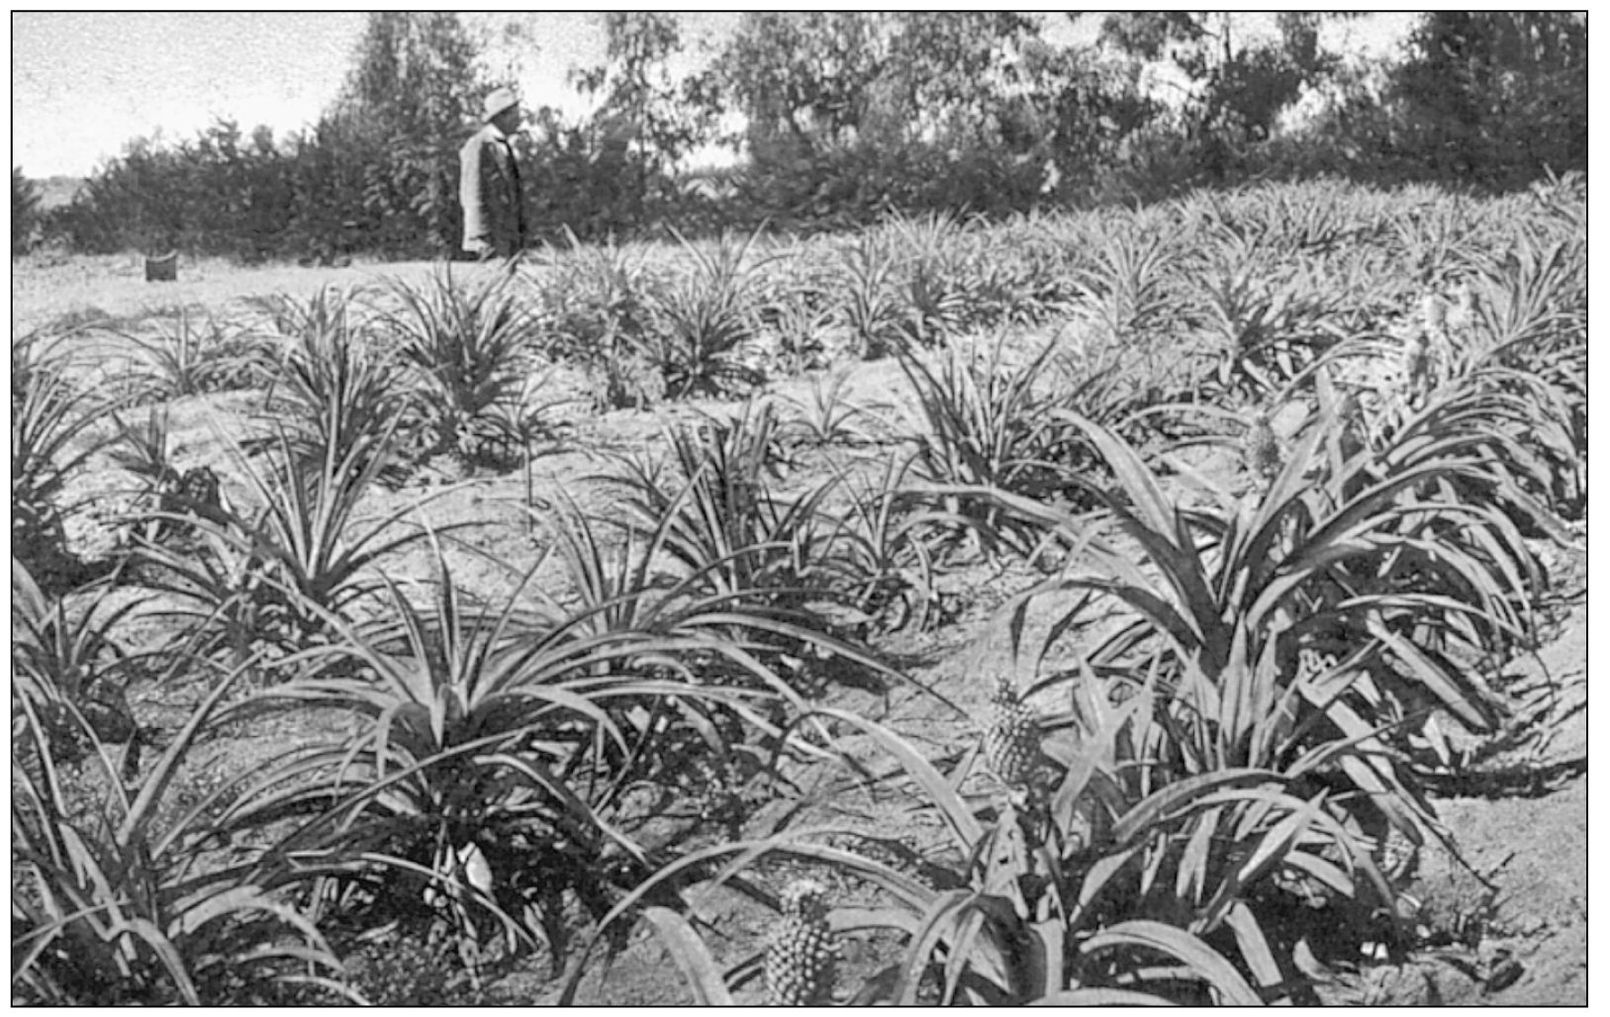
801	956
1462	315
1260	451
1416	362
1350	415
1012	740
1433	315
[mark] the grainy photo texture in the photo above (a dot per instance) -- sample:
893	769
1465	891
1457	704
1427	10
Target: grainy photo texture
799	508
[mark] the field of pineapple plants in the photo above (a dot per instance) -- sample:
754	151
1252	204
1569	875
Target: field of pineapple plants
1179	604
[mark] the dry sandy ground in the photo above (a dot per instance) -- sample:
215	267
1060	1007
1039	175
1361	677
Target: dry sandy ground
46	289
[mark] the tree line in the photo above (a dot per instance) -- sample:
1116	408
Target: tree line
839	117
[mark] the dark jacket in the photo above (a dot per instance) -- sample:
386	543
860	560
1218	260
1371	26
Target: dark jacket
490	191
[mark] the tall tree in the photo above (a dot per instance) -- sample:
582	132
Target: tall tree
24	210
874	108
412	94
1237	85
643	111
829	78
1496	95
800	80
1074	106
946	71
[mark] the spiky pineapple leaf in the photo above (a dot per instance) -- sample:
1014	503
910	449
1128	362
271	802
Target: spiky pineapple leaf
1201	959
1100	997
691	955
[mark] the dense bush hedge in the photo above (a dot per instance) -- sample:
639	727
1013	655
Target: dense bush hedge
24	210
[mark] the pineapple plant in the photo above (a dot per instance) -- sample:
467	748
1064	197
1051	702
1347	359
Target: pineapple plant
800	960
1012	740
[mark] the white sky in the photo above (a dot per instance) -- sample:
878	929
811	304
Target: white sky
84	84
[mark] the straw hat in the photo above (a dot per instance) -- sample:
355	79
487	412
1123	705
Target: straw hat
500	100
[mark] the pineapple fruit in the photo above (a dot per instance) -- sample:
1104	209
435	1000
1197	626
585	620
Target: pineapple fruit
1260	450
1416	367
802	955
1461	317
1012	740
1433	316
1355	429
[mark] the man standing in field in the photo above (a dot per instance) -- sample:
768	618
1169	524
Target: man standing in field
489	183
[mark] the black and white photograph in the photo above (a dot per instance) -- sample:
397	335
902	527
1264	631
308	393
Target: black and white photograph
799	508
